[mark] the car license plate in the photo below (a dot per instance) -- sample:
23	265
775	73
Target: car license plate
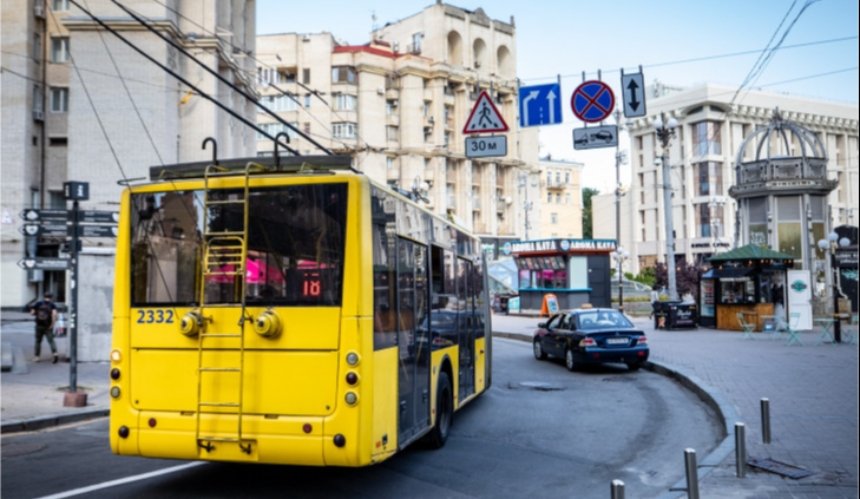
616	341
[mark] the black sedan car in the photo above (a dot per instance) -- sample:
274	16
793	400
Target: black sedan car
591	336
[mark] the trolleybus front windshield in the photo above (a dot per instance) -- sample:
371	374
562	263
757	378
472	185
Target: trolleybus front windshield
295	245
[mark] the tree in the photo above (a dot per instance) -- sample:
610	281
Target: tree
686	278
587	194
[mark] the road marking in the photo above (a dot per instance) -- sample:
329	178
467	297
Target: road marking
121	481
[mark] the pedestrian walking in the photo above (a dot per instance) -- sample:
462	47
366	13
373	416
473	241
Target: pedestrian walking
45	311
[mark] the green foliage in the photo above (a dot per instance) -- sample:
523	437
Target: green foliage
587	194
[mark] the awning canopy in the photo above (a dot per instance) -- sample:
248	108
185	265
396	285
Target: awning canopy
728	273
752	252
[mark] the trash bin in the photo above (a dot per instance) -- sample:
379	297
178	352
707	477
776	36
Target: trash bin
674	314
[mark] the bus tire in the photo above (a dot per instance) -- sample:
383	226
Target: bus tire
444	412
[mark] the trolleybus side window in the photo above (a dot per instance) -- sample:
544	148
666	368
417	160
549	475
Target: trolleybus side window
383	214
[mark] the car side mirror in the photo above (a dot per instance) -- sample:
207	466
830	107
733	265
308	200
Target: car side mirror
542	324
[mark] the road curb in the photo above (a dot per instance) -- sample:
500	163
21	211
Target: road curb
39	423
709	395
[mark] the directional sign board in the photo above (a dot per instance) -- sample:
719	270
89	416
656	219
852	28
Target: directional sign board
594	137
92	216
43	263
36	215
485	147
633	92
540	105
96	231
485	117
44	230
592	101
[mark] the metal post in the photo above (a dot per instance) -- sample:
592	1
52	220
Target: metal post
670	230
837	323
740	450
765	421
616	489
692	473
73	311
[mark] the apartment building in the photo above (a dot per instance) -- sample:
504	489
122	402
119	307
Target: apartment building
560	213
702	153
78	104
398	105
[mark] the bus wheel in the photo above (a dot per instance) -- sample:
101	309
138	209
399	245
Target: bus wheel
444	413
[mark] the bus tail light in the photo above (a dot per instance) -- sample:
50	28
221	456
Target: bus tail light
114	374
268	325
191	324
352	378
115	392
351	398
587	342
352	359
115	356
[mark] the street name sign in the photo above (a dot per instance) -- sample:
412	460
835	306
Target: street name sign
44	263
594	137
485	117
540	105
37	215
95	231
633	93
93	216
592	101
48	230
485	147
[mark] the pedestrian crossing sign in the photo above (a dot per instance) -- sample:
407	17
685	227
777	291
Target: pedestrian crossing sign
485	117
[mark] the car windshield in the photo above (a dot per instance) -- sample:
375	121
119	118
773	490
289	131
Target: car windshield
601	319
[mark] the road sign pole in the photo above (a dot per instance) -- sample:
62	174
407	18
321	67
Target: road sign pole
73	313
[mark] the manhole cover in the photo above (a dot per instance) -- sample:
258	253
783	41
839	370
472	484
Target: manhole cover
780	468
540	386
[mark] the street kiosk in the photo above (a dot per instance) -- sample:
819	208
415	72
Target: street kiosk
746	283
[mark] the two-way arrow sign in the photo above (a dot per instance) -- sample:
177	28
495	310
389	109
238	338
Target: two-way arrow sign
633	91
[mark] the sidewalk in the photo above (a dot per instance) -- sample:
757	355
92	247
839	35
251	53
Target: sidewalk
813	393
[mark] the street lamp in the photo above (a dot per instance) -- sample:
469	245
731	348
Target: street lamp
665	130
830	244
619	255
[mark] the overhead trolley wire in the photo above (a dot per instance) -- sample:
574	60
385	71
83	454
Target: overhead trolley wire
179	77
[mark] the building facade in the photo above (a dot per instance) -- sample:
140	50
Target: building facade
79	104
398	105
560	211
702	159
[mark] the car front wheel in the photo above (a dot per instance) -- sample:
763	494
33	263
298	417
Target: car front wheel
538	350
569	363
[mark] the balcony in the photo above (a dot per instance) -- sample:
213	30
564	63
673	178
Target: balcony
556	185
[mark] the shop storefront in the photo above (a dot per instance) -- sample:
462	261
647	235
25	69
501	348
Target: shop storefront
749	283
576	271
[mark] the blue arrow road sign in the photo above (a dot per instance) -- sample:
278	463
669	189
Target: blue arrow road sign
540	105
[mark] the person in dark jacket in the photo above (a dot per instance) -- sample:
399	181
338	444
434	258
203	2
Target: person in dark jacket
45	312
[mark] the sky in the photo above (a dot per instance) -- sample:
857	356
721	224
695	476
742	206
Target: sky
567	37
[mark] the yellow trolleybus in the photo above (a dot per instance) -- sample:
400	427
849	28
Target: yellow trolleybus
290	311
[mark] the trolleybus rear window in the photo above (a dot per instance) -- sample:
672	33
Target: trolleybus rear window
295	246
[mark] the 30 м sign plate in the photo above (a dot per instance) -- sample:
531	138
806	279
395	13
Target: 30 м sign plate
486	147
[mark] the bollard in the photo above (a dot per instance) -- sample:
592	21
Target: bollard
765	421
692	473
616	489
740	450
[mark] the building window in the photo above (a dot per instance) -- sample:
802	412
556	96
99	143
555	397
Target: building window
553	218
344	74
280	102
703	220
59	49
390	106
566	178
38	99
344	102
306	76
58	141
428	134
417	39
37	47
389	163
447	139
59	99
709	178
706	138
60	5
548	197
307	101
344	130
274	129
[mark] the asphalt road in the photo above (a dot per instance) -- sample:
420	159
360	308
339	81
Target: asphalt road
540	431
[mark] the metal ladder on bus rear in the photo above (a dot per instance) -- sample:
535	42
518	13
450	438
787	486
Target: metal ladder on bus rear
225	255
